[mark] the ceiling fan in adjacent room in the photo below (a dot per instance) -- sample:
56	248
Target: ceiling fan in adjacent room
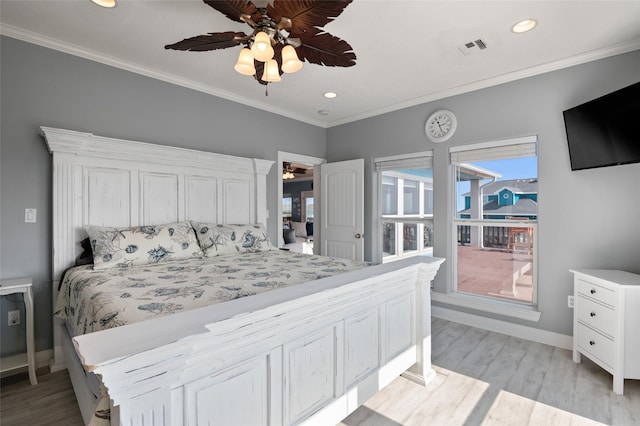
289	171
284	33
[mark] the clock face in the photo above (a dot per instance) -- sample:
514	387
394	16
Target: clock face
440	126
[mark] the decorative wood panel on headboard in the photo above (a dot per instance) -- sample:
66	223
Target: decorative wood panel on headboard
114	182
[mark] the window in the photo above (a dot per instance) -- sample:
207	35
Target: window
307	206
287	204
406	206
495	219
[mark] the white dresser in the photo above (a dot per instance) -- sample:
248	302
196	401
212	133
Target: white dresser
606	322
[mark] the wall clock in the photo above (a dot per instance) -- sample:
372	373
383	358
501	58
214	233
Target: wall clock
440	126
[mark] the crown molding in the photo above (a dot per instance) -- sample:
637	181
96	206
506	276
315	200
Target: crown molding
92	55
44	41
590	56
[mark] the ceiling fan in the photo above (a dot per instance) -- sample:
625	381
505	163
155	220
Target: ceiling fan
284	33
289	171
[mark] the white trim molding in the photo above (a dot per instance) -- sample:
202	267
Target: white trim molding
508	309
42	40
521	331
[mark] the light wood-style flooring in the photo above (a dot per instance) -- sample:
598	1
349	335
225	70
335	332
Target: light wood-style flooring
486	378
483	378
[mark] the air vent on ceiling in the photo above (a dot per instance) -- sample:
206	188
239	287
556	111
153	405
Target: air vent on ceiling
473	46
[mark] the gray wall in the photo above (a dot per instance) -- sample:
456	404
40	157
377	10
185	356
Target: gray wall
45	87
587	219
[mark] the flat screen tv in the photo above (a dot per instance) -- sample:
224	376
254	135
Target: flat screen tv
605	131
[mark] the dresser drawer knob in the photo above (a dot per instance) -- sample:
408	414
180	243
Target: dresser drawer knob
593	291
591	342
593	314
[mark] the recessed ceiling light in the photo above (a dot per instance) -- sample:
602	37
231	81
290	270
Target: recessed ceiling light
105	3
330	95
323	112
524	26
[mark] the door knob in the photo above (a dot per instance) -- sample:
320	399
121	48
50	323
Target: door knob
359	235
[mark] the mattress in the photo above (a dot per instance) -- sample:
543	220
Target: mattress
93	300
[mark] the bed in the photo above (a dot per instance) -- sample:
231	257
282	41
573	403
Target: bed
307	353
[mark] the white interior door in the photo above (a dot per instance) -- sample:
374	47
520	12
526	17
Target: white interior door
342	205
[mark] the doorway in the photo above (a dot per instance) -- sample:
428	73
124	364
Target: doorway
298	205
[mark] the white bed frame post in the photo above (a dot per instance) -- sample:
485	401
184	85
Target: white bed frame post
262	168
61	144
421	372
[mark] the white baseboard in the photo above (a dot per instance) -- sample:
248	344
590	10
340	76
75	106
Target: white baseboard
534	334
43	358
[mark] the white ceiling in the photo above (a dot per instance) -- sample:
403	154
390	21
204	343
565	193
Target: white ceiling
407	50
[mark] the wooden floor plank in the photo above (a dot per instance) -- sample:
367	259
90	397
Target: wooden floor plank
482	378
560	380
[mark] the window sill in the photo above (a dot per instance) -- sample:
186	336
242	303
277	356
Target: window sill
514	310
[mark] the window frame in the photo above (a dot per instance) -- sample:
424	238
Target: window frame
290	197
304	195
517	309
399	219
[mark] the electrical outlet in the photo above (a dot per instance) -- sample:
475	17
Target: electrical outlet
30	215
570	301
14	318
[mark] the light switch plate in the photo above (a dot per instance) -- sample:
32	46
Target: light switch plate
30	215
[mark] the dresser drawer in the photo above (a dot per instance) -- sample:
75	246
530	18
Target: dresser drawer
597	316
597	345
597	292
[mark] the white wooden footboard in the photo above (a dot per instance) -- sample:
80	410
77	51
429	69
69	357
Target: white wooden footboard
309	357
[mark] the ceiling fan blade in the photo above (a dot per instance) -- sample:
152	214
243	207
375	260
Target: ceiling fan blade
328	50
233	9
211	41
306	15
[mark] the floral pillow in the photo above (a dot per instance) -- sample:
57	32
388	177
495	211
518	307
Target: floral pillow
222	240
142	245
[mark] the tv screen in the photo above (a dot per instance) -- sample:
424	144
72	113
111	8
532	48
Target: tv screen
605	131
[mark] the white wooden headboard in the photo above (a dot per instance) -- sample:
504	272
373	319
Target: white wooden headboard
114	182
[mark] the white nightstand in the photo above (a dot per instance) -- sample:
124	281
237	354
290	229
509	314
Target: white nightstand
606	317
13	286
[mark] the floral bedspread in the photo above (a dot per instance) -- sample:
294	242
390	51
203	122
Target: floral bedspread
92	300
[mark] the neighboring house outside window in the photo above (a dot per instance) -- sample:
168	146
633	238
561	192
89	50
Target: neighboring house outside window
495	221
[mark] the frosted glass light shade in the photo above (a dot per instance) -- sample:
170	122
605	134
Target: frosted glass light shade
245	63
271	73
290	61
261	48
105	3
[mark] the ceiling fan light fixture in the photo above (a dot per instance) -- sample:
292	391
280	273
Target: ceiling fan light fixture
271	73
290	61
284	33
245	63
261	48
105	3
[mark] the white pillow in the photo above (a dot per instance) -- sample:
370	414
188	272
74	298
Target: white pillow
300	227
222	240
142	245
